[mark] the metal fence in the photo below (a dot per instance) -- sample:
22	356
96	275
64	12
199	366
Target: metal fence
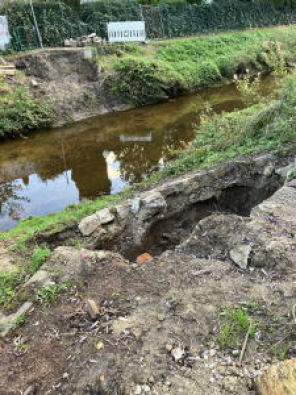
58	22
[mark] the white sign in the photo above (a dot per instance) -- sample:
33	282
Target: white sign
4	33
119	32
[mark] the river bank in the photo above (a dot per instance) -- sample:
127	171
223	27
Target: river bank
55	168
74	84
204	249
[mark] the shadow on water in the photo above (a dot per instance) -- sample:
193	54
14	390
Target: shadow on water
51	169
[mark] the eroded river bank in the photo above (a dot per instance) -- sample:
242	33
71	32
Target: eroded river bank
51	169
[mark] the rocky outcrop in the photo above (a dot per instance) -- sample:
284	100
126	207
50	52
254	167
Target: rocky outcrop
151	216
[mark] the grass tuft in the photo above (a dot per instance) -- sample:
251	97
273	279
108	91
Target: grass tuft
235	325
39	256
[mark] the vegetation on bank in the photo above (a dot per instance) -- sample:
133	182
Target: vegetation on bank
262	127
147	74
56	222
265	126
19	111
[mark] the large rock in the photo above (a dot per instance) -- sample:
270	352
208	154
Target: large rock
89	224
105	216
279	379
151	204
95	221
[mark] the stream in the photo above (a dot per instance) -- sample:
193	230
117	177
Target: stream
50	169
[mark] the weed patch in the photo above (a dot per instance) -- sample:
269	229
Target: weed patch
8	282
20	112
235	325
49	293
39	256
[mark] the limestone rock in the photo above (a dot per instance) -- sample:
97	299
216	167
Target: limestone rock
89	224
7	322
178	353
123	211
151	204
240	255
283	172
279	379
105	216
39	278
93	222
135	206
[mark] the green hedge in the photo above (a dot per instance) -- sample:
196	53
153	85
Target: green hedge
58	21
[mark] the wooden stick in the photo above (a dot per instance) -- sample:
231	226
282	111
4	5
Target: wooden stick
245	344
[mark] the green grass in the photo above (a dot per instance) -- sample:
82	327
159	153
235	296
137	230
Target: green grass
8	285
49	293
262	127
234	327
164	69
39	256
56	222
19	111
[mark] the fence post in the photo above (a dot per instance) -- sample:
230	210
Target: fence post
36	24
141	12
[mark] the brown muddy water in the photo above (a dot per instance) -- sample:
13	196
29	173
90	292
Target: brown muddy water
51	169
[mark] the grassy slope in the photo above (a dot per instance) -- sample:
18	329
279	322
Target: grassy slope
55	222
261	127
147	74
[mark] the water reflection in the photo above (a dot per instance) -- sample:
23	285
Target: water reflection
51	169
114	173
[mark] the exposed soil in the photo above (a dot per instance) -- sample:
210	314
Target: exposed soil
145	310
158	323
70	81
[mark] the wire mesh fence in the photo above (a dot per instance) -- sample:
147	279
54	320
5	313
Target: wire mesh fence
58	22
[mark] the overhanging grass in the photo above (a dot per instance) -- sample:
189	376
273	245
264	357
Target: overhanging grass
262	127
26	229
165	68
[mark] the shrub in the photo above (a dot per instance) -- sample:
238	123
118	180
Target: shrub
20	112
142	81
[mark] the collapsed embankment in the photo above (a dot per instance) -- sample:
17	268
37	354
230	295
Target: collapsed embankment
221	242
73	84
